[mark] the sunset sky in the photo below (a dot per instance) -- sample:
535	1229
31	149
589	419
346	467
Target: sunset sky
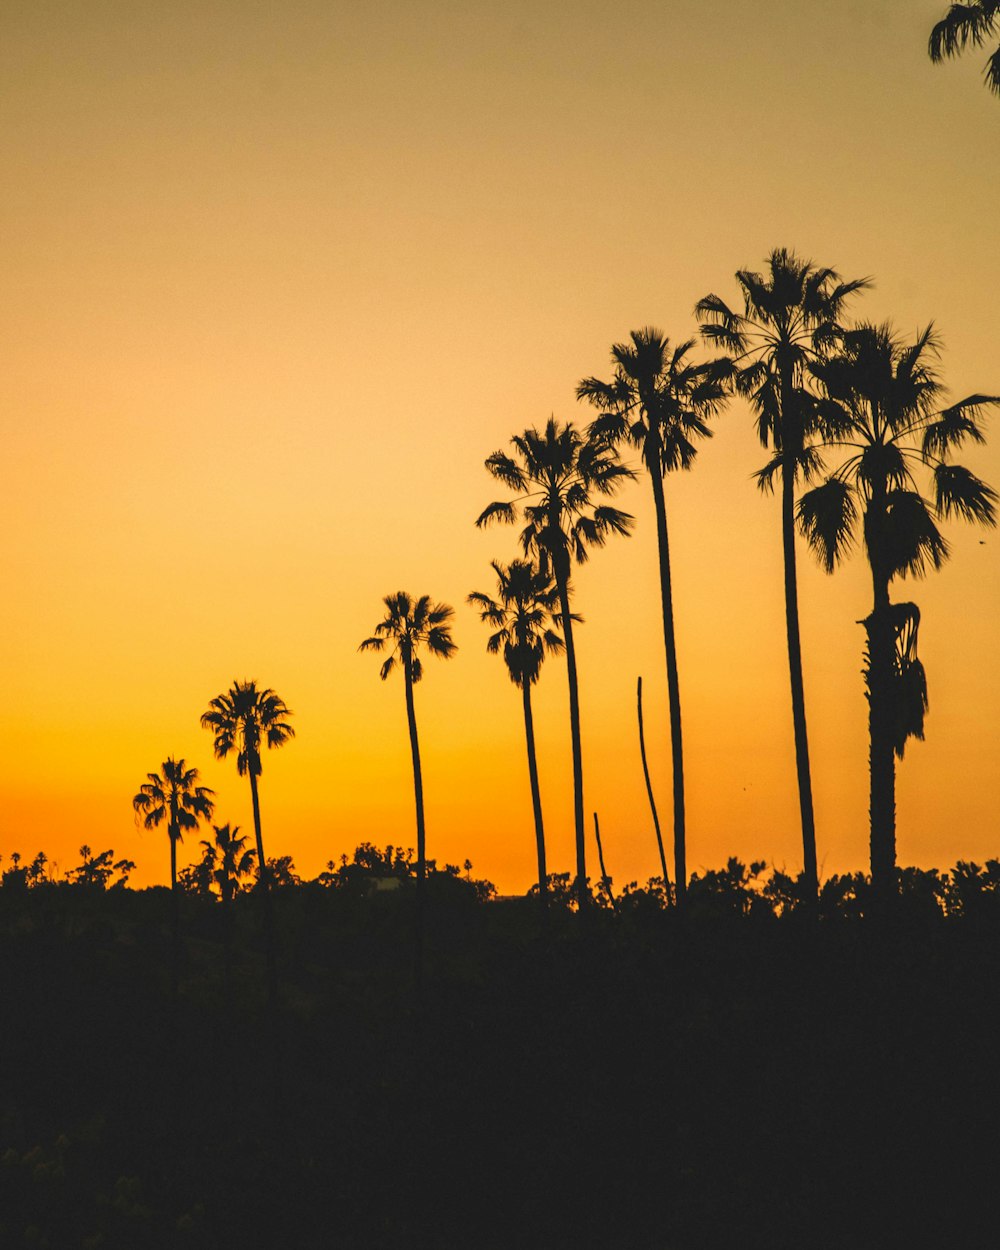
279	278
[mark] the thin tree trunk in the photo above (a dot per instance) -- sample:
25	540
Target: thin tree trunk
881	758
673	691
536	798
175	915
649	795
798	689
605	879
562	583
264	888
418	793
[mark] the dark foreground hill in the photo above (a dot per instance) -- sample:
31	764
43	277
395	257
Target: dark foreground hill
617	1082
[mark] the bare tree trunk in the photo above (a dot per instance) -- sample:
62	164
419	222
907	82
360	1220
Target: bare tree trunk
605	879
536	798
881	758
649	795
562	583
175	914
418	793
264	889
798	689
673	692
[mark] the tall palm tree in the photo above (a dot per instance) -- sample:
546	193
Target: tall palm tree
407	626
969	24
521	616
555	473
790	316
882	410
173	795
659	401
242	720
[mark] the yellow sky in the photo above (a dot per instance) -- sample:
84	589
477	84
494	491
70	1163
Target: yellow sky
279	278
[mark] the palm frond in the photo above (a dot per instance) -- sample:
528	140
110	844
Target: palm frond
499	511
960	493
827	516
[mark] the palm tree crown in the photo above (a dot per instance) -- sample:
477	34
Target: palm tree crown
173	795
658	400
227	859
556	472
409	625
882	410
964	25
526	601
242	719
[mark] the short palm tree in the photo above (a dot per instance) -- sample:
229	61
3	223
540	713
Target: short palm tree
173	795
659	400
521	617
966	25
228	860
883	412
407	626
556	472
789	317
243	720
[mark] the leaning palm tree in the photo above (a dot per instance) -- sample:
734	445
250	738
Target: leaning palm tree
555	473
521	617
790	316
882	410
659	401
407	626
173	795
242	720
966	25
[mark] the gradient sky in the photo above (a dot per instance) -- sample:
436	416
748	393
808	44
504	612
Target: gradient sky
279	278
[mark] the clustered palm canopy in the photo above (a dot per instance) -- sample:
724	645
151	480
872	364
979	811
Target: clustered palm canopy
555	474
227	858
243	719
173	795
659	400
408	625
967	25
790	317
881	407
527	600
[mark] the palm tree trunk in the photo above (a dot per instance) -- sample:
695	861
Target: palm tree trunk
536	798
673	691
418	794
798	689
562	583
264	887
882	763
649	795
175	915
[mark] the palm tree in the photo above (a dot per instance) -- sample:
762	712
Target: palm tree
964	24
520	615
173	795
555	473
659	401
882	410
409	625
242	720
228	860
789	317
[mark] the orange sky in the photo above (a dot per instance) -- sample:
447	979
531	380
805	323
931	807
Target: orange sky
278	280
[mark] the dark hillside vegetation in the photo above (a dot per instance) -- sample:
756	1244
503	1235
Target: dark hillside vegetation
612	1079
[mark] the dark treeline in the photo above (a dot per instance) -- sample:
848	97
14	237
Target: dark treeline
625	1076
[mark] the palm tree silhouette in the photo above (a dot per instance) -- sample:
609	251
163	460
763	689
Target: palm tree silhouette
242	720
555	473
964	25
659	401
882	410
789	316
409	625
520	615
173	795
228	860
